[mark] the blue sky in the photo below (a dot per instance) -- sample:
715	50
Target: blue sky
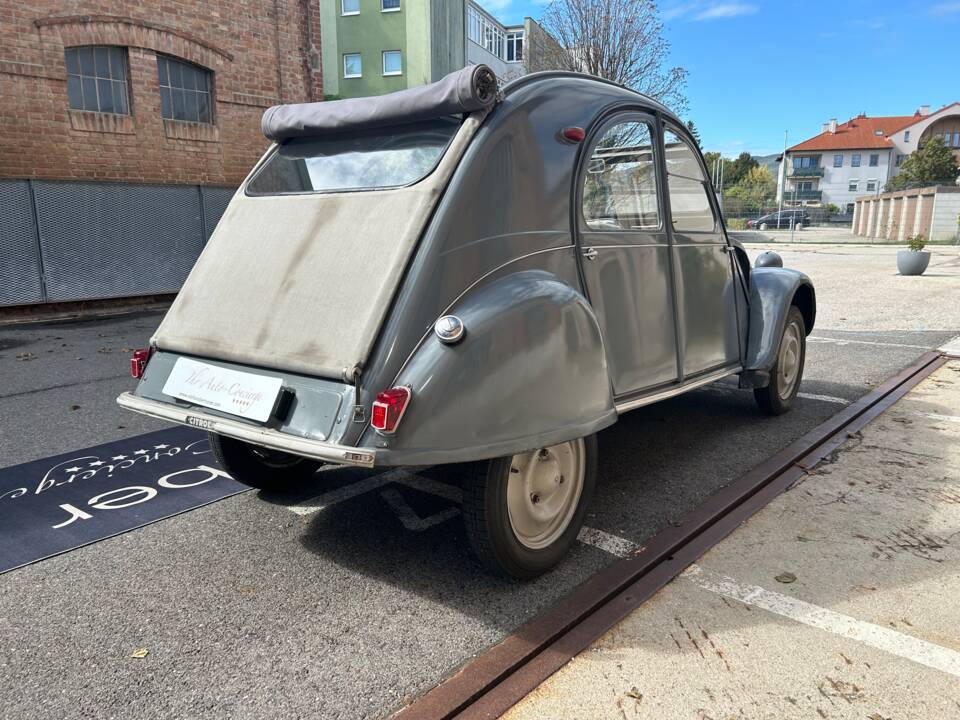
881	57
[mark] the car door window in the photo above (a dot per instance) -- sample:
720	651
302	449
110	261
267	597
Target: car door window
689	203
620	182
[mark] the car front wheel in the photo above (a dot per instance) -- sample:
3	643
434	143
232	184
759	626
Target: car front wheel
260	467
523	513
778	396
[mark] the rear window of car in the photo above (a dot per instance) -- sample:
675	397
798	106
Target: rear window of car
359	160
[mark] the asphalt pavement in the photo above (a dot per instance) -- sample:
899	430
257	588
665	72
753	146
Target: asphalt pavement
270	606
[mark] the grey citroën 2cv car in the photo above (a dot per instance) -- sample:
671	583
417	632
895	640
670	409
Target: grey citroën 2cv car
462	274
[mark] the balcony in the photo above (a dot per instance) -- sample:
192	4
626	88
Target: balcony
806	172
789	194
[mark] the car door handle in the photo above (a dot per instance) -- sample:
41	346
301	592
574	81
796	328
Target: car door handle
590	253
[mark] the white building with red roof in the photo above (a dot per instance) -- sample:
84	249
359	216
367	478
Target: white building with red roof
856	158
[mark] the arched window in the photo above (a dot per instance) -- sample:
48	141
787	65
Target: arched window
185	90
97	79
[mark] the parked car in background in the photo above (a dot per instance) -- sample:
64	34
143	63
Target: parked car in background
460	273
782	220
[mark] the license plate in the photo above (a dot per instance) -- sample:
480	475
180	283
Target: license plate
231	391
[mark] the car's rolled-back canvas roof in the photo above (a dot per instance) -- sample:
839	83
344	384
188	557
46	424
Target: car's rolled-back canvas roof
303	282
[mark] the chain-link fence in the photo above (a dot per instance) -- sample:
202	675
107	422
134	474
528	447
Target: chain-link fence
737	210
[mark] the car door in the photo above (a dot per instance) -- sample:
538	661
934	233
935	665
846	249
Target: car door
703	263
625	253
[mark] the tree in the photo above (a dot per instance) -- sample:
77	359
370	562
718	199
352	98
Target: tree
754	189
932	164
619	40
739	169
696	133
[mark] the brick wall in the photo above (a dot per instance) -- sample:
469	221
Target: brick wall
260	52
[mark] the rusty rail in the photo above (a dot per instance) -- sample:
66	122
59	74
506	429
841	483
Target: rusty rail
497	679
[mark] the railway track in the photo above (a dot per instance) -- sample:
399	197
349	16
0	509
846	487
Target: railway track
495	680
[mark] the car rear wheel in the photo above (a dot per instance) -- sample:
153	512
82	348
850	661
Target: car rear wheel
260	467
523	513
778	396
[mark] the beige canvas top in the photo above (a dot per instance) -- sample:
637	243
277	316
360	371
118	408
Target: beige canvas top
303	282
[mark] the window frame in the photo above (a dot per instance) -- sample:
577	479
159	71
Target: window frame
906	136
206	73
348	13
871	189
855	159
383	59
123	54
853	185
874	160
718	225
593	140
349	55
390	10
836	157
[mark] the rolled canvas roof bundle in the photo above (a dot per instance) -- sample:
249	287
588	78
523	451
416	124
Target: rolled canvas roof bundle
464	91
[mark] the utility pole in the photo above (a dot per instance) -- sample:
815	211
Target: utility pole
783	178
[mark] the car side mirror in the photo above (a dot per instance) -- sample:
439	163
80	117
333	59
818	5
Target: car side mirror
596	166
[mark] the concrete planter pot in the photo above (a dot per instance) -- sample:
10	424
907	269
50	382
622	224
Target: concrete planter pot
912	262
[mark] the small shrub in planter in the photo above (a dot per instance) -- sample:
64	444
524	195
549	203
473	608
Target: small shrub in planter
915	260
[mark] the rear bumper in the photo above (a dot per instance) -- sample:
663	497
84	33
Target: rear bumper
265	437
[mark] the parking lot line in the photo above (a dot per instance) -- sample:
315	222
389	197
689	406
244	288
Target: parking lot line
613	544
881	638
842	341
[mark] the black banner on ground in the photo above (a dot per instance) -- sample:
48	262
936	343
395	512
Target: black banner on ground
60	503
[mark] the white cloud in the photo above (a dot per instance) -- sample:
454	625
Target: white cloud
726	10
947	8
700	10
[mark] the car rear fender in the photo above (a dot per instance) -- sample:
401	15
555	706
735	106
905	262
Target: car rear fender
529	372
772	291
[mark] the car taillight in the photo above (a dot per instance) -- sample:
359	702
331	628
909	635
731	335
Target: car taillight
388	409
138	363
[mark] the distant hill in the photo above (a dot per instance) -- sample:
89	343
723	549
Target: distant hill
769	161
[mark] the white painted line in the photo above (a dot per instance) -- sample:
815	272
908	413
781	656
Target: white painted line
937	416
891	641
952	348
409	518
824	398
432	487
613	544
839	341
375	482
807	396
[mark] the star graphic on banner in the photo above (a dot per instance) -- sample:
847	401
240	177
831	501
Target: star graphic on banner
160	447
73	470
96	463
139	452
119	457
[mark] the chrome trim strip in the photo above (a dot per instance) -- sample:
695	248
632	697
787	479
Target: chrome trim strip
671	392
265	437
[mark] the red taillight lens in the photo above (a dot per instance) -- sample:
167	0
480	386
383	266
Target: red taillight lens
388	409
138	363
573	134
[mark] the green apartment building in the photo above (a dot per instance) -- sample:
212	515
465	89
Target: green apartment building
371	47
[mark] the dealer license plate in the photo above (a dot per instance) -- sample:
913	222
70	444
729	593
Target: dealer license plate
231	391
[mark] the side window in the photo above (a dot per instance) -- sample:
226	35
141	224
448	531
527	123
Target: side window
620	182
689	202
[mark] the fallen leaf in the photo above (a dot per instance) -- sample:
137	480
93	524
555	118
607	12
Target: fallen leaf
635	694
140	653
786	578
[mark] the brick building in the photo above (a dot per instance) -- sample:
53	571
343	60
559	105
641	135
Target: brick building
124	127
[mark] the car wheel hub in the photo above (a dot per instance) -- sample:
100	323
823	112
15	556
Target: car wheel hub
788	363
543	492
